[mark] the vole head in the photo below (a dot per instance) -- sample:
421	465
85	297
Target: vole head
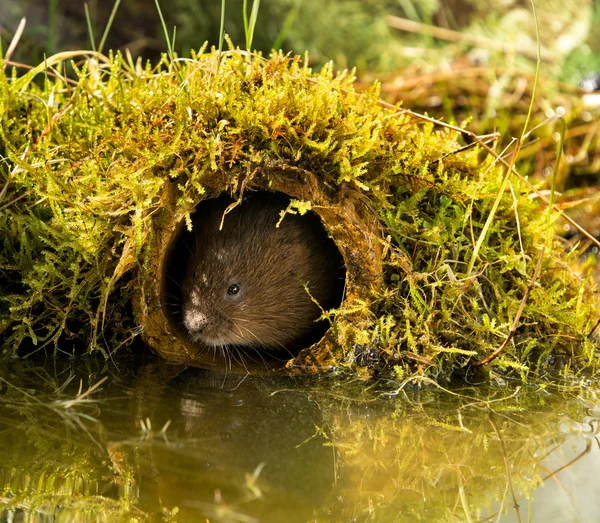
244	284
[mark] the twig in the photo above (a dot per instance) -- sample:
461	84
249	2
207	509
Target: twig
80	397
515	323
454	36
593	329
588	449
465	73
507	469
12	202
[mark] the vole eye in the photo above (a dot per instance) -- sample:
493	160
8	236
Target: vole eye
233	289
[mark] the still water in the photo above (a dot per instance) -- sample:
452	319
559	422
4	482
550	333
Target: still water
141	440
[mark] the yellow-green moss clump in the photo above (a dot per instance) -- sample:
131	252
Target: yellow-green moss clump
87	164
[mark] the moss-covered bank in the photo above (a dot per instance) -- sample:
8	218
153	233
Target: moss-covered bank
97	174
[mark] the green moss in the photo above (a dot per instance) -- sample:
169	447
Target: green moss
87	163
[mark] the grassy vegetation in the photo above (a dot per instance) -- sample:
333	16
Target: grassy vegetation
467	279
87	163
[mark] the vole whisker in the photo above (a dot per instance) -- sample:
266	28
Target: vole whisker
169	295
241	352
185	244
176	282
264	345
241	360
226	352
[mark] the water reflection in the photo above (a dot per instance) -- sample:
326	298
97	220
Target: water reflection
235	447
569	492
174	444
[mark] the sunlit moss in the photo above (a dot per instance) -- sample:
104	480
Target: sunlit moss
86	165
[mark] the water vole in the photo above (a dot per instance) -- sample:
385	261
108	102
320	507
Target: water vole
243	284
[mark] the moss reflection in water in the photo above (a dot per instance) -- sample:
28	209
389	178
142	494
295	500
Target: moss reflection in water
185	445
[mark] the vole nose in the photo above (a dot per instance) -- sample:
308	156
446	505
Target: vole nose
194	320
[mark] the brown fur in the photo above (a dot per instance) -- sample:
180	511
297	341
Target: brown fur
272	310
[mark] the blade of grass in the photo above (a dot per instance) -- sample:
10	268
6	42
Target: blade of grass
88	20
253	18
165	31
250	25
51	42
559	150
170	44
537	69
15	40
24	80
221	37
245	15
502	189
222	28
109	25
492	213
287	24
